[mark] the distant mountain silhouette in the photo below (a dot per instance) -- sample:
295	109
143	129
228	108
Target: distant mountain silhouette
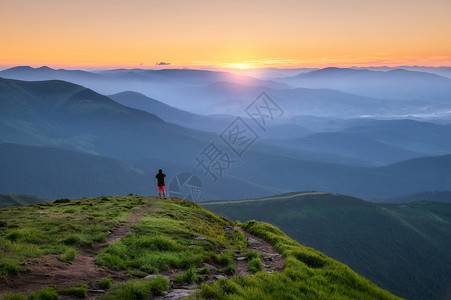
444	196
159	82
392	84
210	123
215	123
327	92
62	114
423	137
58	173
234	97
361	148
7	200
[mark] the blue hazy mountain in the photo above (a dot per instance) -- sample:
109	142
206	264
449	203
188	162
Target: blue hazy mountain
392	84
423	137
58	173
218	92
215	123
362	149
235	97
377	142
139	80
210	123
62	114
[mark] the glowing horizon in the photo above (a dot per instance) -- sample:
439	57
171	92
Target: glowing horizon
106	34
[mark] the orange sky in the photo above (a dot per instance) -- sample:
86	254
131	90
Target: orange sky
209	33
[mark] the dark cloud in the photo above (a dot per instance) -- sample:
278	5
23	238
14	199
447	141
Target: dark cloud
162	63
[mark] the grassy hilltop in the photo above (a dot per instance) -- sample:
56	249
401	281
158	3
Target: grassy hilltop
76	248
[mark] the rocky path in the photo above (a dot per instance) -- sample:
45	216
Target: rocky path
272	262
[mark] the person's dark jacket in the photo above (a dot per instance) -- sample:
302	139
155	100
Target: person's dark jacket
160	177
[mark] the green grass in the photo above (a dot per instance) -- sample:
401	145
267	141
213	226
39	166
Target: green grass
137	289
68	255
187	277
12	296
78	291
299	280
175	234
44	294
61	227
104	283
252	254
255	265
224	258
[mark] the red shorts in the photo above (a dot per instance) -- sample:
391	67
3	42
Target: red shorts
161	188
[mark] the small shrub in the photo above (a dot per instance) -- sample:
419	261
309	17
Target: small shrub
138	273
12	296
159	243
13	235
80	292
44	294
111	260
204	270
75	240
228	286
137	290
311	260
63	200
69	255
255	265
224	258
3	223
230	269
8	267
208	291
252	254
104	283
69	211
159	285
188	277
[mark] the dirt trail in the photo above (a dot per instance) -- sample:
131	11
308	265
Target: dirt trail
122	230
272	262
50	271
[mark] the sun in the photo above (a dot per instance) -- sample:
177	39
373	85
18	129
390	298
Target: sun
240	65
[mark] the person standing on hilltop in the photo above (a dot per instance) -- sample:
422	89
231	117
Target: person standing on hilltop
160	176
